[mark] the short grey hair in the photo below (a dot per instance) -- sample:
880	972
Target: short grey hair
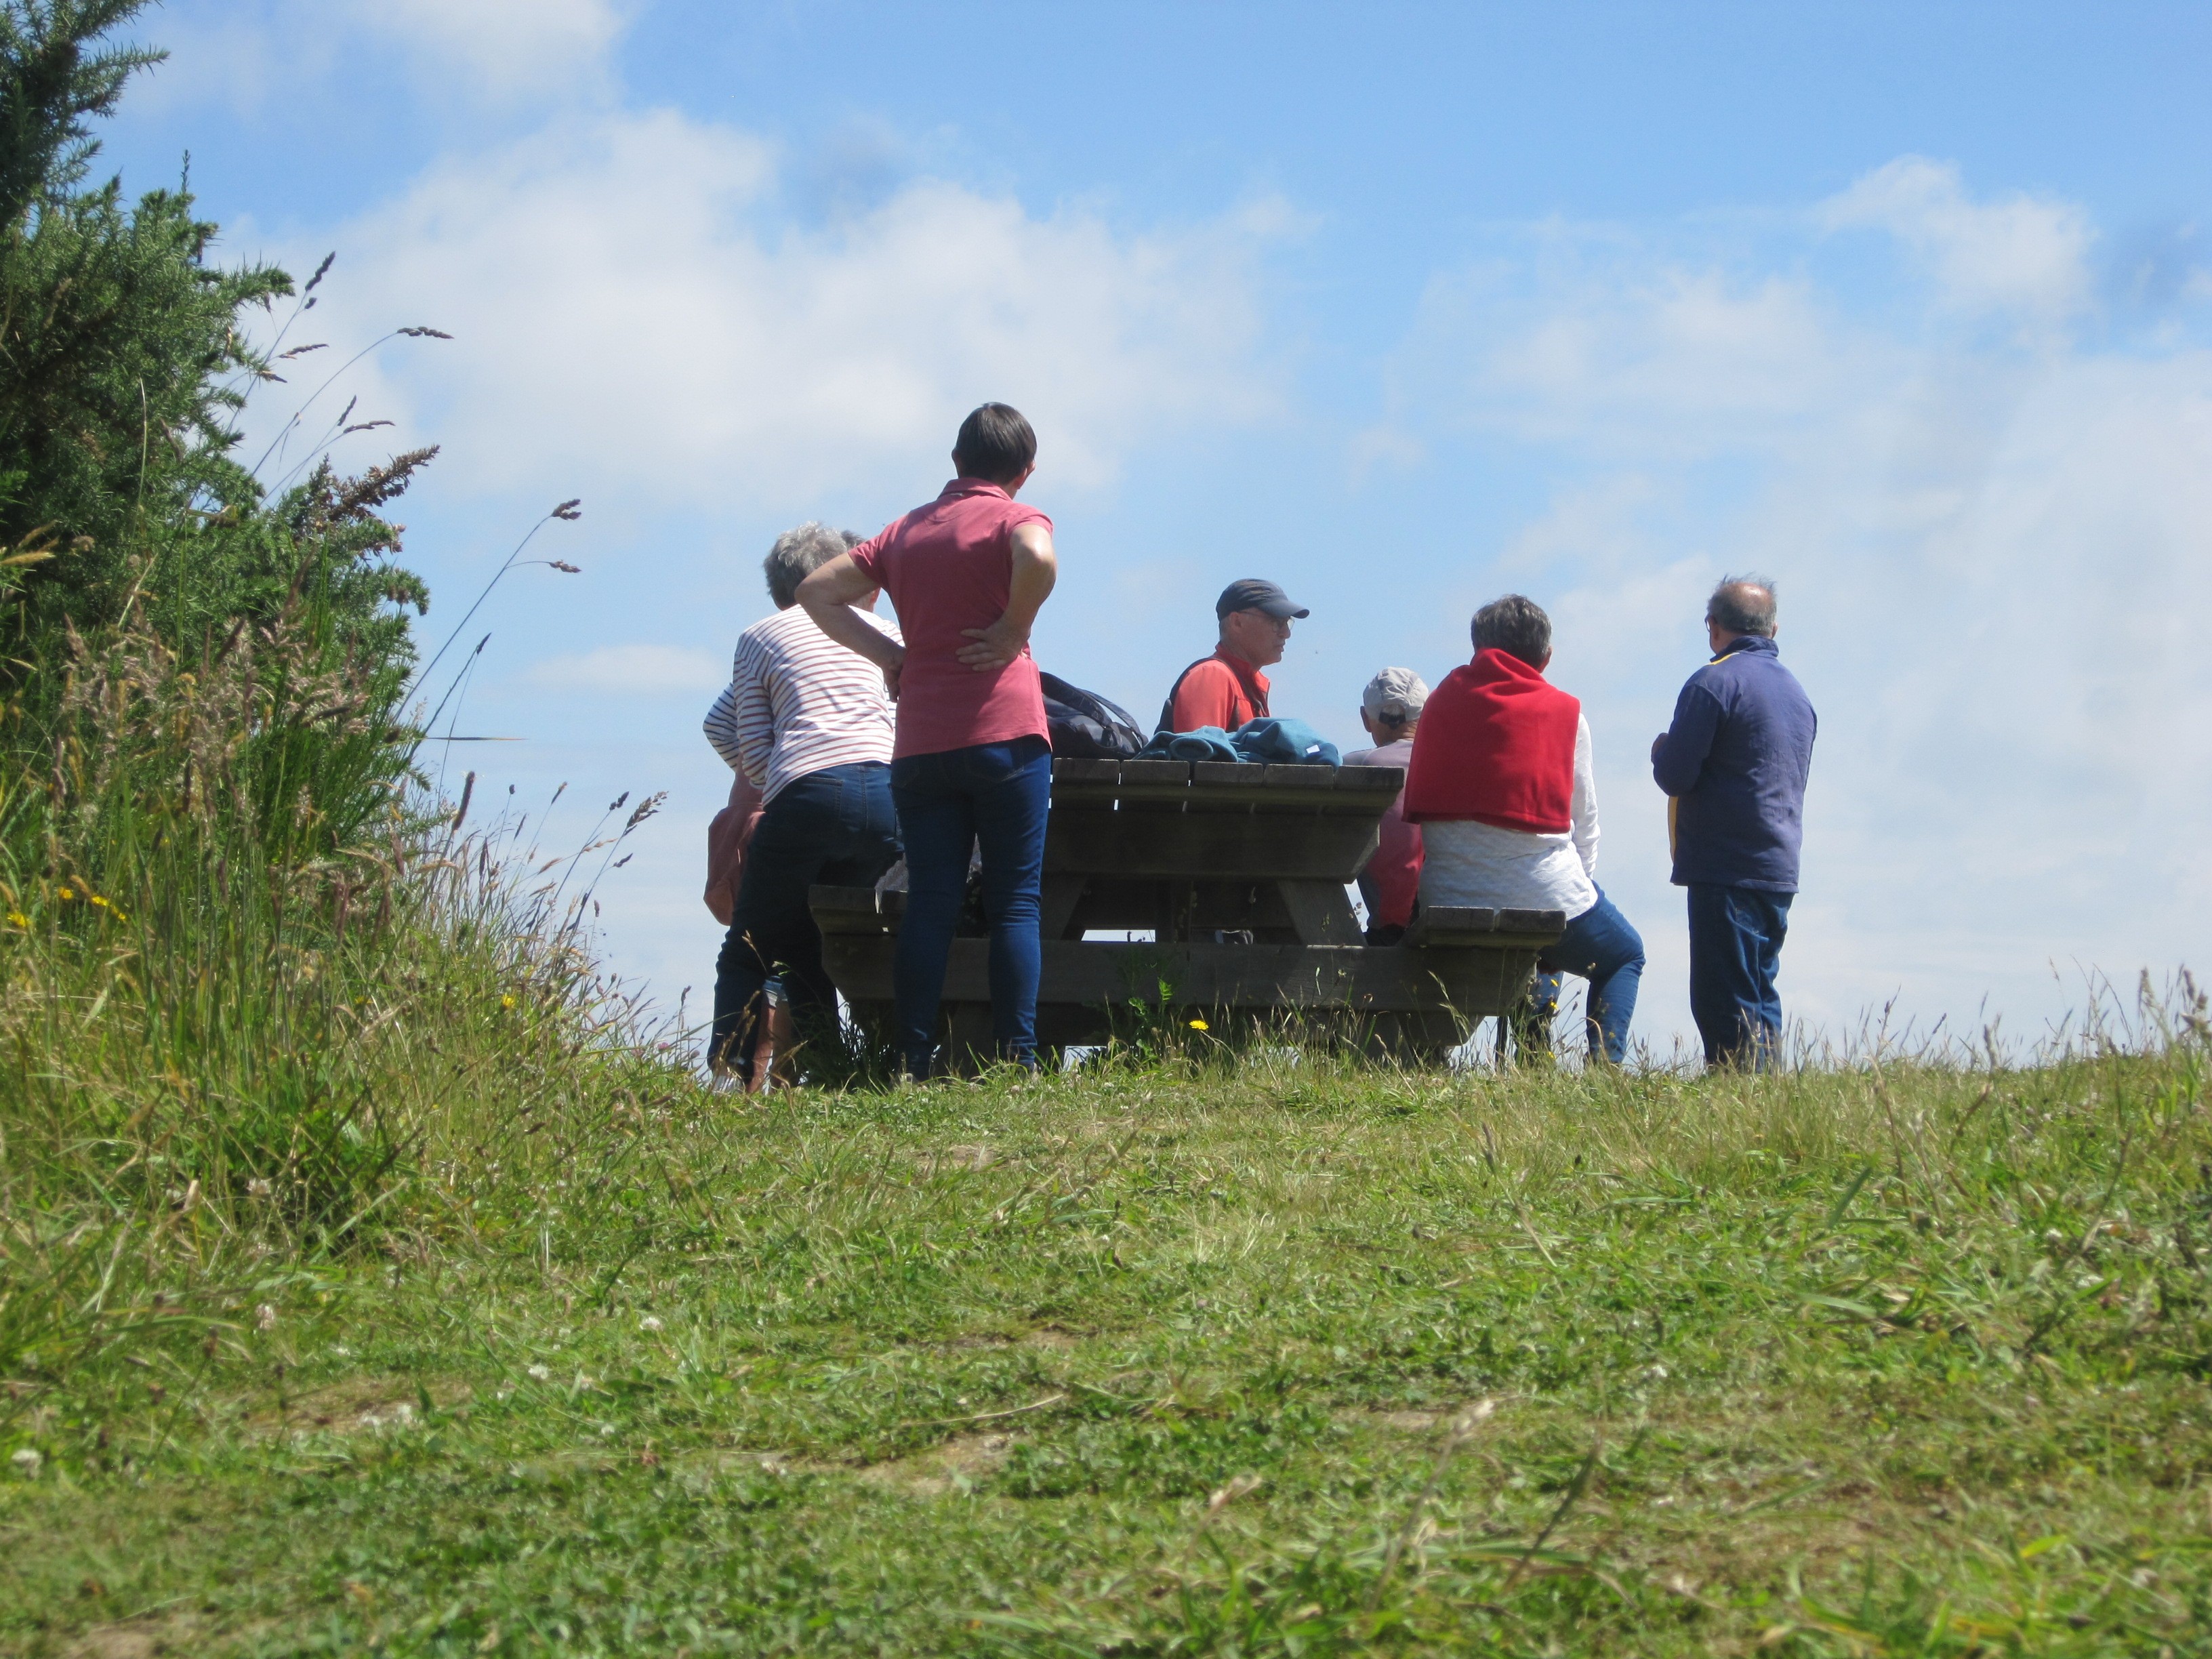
1742	604
1516	625
798	554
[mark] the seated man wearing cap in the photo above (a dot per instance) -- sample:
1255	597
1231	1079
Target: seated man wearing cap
1227	689
1390	709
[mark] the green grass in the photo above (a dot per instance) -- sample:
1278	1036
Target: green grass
1276	1359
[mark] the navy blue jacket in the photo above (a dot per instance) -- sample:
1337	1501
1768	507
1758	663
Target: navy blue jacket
1736	759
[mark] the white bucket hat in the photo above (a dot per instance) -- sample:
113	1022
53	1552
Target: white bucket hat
1397	691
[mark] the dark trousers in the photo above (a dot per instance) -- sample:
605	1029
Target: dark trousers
1735	951
991	798
1598	945
834	826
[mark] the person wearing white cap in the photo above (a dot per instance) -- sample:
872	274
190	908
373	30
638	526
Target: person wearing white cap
1390	709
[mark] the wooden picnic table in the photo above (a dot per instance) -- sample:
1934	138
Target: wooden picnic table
1239	872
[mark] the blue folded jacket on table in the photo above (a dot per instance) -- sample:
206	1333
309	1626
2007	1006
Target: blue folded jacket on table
1281	742
1257	743
1208	743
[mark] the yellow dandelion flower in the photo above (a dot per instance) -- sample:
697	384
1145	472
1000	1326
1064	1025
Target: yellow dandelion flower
507	1002
1199	1026
96	899
19	919
65	893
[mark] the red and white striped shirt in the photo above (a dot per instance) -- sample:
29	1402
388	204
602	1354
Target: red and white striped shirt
798	702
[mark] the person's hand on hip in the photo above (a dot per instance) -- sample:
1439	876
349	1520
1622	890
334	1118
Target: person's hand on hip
994	646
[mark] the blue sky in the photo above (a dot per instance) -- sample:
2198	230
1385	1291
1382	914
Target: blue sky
1404	307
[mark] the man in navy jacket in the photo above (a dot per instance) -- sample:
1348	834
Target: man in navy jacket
1734	761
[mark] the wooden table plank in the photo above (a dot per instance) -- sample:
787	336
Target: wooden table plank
1086	771
1384	780
1226	846
1144	772
1475	983
1449	925
1222	775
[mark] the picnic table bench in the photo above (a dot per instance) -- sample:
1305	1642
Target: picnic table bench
1239	872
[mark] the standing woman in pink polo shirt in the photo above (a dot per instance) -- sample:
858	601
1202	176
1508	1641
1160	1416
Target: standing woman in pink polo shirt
971	764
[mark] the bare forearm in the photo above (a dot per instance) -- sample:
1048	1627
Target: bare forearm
1028	586
829	595
855	633
1037	569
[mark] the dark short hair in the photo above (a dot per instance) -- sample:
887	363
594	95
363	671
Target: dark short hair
996	444
798	554
1743	604
1515	625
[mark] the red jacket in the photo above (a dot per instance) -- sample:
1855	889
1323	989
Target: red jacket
1495	744
727	836
1222	689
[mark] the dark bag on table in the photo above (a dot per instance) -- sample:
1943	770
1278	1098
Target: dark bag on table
1085	725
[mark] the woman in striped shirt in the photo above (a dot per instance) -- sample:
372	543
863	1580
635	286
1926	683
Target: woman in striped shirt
809	722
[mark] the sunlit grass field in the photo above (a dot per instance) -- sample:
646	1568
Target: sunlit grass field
1198	1356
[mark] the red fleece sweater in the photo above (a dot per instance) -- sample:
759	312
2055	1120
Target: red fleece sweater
1495	744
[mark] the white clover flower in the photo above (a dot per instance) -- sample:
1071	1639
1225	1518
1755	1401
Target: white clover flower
264	1317
648	1323
27	1462
539	1374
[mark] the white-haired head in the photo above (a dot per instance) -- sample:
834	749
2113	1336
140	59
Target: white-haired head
798	554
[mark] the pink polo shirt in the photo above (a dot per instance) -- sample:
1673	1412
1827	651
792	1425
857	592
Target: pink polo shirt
947	567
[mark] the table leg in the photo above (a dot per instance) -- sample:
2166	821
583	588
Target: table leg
1319	912
1057	904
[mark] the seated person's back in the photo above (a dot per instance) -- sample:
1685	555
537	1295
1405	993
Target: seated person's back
1501	784
1390	709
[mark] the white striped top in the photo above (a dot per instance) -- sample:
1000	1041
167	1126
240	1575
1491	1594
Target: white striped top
798	702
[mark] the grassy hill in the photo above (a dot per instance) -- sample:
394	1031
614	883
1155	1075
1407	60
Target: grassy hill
1201	1356
370	1281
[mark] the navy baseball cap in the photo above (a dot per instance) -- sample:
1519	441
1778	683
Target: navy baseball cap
1253	594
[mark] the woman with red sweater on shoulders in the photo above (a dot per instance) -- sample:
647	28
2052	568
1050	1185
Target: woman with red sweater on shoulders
1501	784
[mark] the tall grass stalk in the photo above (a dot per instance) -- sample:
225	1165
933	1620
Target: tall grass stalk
240	978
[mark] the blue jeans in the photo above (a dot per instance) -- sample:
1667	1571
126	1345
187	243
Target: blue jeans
834	826
993	795
1735	951
1598	945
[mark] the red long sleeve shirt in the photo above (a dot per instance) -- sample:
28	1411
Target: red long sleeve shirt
1222	689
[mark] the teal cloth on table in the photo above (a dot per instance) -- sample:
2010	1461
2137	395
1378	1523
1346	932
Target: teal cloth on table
1208	743
1285	742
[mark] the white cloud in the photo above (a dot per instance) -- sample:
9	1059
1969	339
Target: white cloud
1592	342
244	54
634	315
238	56
503	45
1995	551
634	671
2022	254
